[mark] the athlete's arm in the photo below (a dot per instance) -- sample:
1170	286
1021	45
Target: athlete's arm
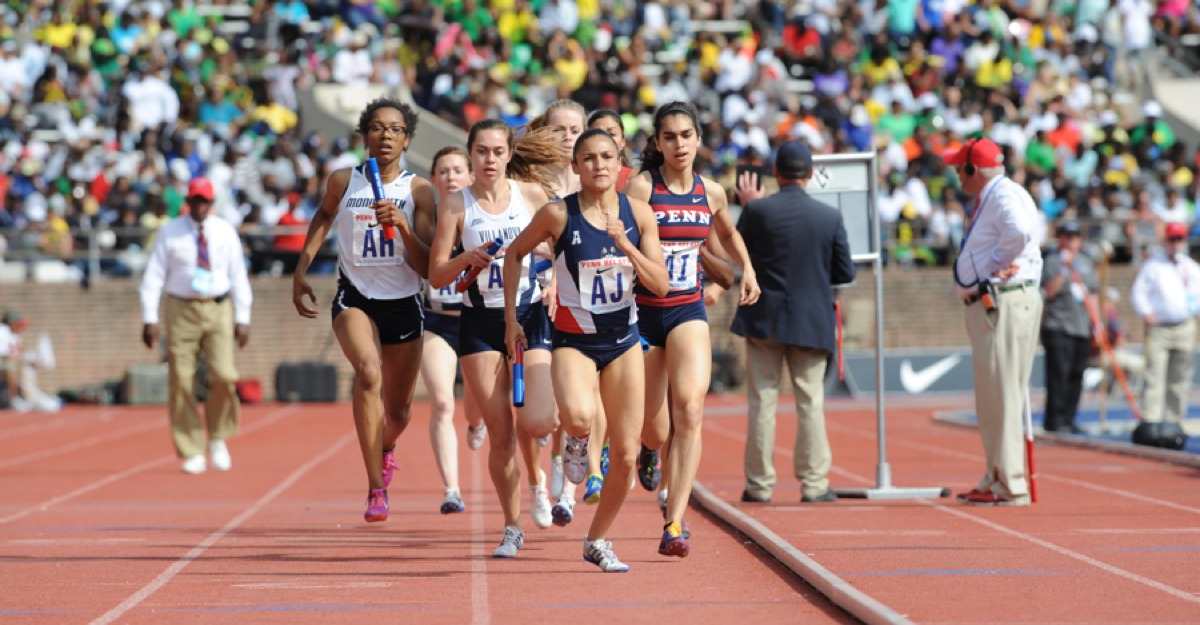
424	209
732	241
715	263
546	224
648	258
318	231
444	270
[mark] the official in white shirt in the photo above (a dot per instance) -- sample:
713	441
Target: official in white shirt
1166	295
1001	252
197	261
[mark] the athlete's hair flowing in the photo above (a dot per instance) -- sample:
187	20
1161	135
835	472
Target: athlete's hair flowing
532	152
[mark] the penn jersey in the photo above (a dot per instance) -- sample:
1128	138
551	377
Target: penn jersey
480	227
377	267
684	221
595	278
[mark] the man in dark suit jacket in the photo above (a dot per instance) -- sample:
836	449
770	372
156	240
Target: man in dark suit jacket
798	249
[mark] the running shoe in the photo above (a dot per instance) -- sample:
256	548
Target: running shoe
194	465
389	466
564	510
648	470
662	502
513	540
453	503
600	553
475	435
543	441
556	476
674	542
540	508
377	506
591	492
221	461
604	461
575	459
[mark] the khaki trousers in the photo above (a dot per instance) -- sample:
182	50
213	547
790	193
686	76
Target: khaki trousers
811	457
1169	364
1003	344
192	327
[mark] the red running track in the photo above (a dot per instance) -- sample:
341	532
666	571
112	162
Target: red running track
97	525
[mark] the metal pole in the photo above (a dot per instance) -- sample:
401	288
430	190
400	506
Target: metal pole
883	473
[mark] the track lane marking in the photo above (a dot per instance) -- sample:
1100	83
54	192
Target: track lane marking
132	601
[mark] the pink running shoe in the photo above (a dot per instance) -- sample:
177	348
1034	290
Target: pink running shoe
389	466
377	506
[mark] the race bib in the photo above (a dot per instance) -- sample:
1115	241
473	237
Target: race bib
202	281
606	284
682	259
368	244
445	296
491	279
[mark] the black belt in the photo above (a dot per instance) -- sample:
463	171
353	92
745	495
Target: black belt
1003	288
1176	324
204	300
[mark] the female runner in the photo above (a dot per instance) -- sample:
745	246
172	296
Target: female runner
492	208
687	208
376	311
597	352
439	360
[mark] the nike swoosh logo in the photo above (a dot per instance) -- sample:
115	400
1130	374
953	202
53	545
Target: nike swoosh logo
605	269
546	341
627	230
916	382
697	200
374	224
405	336
625	338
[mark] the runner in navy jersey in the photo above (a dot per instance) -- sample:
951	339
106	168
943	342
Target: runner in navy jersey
603	241
451	172
508	187
376	312
688	210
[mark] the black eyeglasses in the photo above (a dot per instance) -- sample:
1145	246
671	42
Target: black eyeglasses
398	131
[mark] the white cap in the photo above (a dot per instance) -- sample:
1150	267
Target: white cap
1109	118
1152	109
1086	32
928	100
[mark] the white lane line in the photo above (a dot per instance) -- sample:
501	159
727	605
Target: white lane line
166	576
1175	592
270	418
72	446
953	453
480	612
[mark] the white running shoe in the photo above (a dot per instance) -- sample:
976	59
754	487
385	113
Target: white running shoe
564	510
475	435
600	553
221	460
540	508
543	441
195	465
662	500
575	459
513	540
556	476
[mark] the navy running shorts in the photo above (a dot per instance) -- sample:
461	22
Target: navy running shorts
601	348
482	329
398	320
656	322
445	326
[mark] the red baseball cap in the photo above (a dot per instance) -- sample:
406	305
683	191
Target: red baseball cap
201	188
1177	229
982	152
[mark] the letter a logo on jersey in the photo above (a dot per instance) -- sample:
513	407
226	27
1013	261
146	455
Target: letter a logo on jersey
575	237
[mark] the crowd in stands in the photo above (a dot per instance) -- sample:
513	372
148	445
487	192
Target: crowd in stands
107	109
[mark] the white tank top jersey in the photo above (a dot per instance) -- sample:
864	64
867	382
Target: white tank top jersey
480	227
377	267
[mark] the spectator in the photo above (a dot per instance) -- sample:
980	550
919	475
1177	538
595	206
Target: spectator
1069	285
19	368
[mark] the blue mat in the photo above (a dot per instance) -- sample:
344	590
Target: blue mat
1118	426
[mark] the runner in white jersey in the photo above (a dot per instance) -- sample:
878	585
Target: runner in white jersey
492	208
450	173
377	311
596	345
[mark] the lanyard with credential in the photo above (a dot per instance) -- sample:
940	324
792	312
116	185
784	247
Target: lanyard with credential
966	235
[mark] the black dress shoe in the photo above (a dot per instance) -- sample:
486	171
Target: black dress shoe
748	498
824	497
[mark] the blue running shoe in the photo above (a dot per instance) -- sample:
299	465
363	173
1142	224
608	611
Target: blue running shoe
591	493
604	461
453	503
674	541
